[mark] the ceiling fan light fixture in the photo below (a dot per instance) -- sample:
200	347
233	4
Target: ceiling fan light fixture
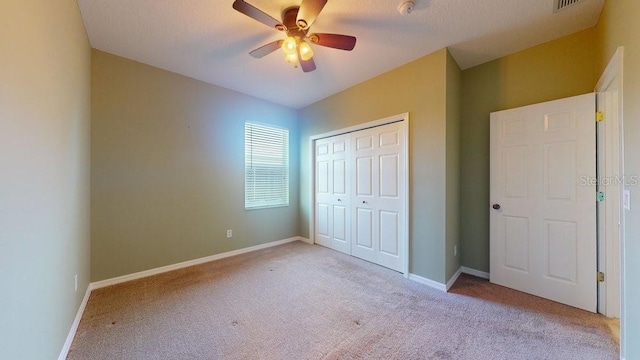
289	45
292	59
306	52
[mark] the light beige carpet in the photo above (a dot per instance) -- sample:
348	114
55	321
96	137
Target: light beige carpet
299	301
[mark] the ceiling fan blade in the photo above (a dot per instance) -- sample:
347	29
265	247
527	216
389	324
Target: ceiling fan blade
336	41
308	66
309	10
267	49
257	14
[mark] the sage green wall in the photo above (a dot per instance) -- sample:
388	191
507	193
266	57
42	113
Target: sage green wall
167	176
44	174
419	88
619	26
554	70
454	105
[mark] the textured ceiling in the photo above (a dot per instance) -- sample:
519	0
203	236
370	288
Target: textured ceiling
209	41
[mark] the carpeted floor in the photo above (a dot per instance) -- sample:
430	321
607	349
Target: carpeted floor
298	301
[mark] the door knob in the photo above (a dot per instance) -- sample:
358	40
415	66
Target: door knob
364	202
496	206
339	199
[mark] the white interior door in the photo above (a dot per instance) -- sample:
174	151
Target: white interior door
543	217
377	201
332	201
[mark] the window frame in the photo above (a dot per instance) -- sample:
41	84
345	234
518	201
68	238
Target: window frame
269	162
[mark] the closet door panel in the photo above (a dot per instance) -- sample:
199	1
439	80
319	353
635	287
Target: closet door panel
332	193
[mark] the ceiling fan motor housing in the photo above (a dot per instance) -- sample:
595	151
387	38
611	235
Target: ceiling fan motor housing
289	17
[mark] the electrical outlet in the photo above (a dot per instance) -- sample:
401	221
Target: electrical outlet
75	281
455	250
229	233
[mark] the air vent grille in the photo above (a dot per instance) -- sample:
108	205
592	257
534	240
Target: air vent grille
563	4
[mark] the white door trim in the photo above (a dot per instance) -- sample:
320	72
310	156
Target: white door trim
404	118
612	81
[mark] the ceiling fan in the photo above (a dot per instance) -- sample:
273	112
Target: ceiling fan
296	22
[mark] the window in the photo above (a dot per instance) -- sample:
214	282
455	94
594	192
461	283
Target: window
266	166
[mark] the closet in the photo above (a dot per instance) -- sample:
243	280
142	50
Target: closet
360	194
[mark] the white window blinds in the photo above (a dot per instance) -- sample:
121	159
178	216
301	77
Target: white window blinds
266	166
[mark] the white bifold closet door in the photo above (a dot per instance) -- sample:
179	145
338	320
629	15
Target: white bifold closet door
332	197
366	217
377	205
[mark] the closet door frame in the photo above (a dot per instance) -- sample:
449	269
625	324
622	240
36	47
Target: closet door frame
403	119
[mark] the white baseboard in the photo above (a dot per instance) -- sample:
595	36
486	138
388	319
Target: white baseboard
74	325
430	283
164	269
474	272
120	279
305	240
449	284
453	279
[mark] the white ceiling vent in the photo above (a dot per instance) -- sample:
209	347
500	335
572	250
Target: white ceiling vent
560	5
